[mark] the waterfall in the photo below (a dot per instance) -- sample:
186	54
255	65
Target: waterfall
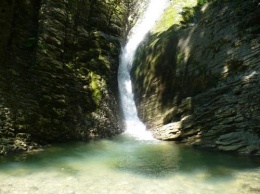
133	125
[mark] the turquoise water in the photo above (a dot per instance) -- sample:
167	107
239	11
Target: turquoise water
125	165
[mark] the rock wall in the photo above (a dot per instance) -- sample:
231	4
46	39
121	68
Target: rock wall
199	83
58	71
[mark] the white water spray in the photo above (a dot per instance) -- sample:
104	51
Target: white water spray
133	125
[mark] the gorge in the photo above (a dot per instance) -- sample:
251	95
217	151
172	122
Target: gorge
72	106
195	76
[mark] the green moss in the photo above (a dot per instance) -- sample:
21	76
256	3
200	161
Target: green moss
188	14
201	2
112	48
104	61
156	59
172	15
180	57
96	84
94	52
70	65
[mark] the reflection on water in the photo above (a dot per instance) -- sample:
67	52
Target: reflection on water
125	165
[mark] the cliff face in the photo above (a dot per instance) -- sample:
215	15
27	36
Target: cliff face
58	71
199	84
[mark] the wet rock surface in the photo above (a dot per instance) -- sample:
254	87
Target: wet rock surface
207	94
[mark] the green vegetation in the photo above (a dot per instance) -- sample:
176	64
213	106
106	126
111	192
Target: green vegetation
201	2
96	84
173	15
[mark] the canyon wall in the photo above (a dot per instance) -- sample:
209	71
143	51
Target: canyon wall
58	72
196	80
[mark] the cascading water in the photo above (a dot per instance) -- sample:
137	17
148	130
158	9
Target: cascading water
133	125
125	165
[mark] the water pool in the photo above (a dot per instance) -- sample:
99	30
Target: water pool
126	165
